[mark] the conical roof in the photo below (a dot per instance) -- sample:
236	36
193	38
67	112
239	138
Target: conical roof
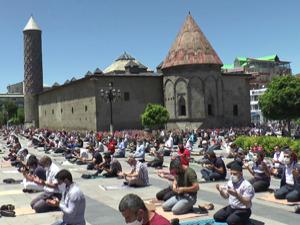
31	25
191	47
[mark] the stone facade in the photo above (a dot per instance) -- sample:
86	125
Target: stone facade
190	85
78	105
202	96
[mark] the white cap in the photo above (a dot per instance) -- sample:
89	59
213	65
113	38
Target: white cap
31	25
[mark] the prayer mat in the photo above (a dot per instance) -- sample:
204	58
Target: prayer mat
114	187
211	181
11	192
5	165
169	215
154	201
271	198
24	211
10	171
207	222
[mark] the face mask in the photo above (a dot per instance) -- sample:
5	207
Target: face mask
136	222
235	179
62	187
286	161
254	158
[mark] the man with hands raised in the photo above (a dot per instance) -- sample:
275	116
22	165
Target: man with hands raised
239	192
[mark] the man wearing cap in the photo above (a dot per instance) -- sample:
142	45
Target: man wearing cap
290	181
112	167
239	192
138	176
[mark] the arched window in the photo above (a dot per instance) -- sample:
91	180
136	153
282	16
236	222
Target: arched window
181	106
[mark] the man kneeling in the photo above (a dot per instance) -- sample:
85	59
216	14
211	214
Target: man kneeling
185	185
240	193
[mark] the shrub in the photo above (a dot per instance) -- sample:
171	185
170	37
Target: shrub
268	143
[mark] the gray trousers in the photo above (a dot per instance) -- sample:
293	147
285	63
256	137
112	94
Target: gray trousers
40	205
180	204
287	192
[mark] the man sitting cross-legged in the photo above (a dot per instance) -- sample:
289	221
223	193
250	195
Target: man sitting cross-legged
215	167
185	185
138	176
112	167
39	204
30	173
240	193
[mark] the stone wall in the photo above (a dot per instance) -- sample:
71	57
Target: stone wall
90	111
208	95
236	92
70	107
126	113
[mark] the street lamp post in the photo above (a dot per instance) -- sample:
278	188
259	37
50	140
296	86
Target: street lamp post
110	95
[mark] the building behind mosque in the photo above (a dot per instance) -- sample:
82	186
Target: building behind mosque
189	83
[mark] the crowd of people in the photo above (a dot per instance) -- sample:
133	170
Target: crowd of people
100	152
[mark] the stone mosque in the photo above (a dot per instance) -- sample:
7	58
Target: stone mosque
189	83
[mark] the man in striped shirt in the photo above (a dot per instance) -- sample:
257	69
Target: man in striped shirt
138	176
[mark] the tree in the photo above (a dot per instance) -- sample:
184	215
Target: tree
281	101
11	109
155	116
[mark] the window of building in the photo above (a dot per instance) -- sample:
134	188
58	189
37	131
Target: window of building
45	113
72	110
52	111
235	110
209	110
61	110
85	108
182	107
126	96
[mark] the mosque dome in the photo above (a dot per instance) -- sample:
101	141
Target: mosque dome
122	63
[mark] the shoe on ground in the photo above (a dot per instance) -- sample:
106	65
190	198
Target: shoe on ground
7	213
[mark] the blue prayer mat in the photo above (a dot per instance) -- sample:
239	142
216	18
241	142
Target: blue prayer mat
207	222
202	222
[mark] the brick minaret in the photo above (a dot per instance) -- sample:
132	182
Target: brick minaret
33	71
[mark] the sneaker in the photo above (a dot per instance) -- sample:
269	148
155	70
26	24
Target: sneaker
7	213
175	221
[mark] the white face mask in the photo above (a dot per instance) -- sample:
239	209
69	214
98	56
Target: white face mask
62	187
136	222
286	161
235	179
254	158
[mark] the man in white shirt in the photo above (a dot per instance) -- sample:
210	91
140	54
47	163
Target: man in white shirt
39	204
290	181
239	192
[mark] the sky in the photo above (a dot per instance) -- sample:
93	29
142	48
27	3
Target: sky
81	35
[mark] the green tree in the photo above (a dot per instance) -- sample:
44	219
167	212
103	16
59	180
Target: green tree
155	116
281	101
2	119
11	108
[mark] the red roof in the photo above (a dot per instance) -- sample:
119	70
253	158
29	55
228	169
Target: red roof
191	47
